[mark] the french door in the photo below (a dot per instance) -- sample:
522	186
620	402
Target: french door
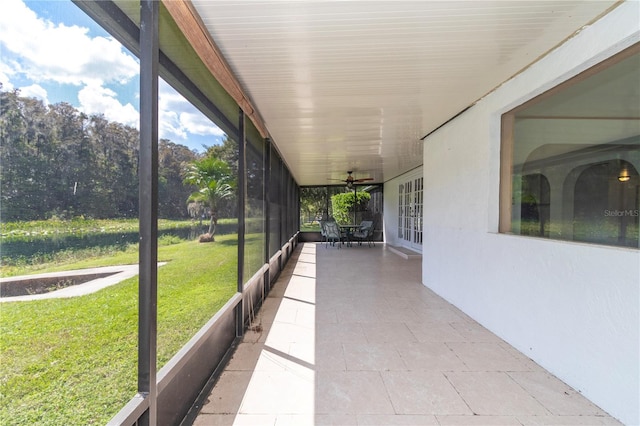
410	209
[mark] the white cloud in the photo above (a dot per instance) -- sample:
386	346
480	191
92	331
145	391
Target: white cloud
95	99
169	126
60	53
178	118
198	124
37	51
4	80
35	91
39	55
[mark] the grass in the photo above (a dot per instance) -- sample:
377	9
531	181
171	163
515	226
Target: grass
33	234
90	257
73	361
95	257
34	228
310	227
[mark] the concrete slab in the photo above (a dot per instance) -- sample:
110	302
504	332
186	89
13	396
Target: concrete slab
119	273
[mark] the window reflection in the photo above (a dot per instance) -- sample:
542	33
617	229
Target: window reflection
576	156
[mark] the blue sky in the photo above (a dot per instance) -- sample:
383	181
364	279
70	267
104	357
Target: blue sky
52	51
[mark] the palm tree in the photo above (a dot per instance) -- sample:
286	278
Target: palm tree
213	178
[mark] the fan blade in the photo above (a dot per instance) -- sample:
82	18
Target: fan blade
363	179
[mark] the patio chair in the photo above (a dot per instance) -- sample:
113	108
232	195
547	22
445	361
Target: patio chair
364	233
332	234
323	232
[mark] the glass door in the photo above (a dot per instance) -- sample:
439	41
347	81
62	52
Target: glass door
410	210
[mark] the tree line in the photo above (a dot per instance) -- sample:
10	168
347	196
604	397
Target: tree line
56	161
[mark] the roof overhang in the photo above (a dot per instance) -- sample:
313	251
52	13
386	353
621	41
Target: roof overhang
349	85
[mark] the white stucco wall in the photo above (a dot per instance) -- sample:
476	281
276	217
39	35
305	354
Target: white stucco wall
571	307
391	212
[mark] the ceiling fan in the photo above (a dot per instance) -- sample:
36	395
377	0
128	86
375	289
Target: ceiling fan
350	180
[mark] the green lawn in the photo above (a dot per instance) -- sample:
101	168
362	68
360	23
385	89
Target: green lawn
37	246
310	227
73	361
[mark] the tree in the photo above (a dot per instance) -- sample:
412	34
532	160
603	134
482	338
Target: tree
213	178
313	202
172	191
346	204
228	152
58	161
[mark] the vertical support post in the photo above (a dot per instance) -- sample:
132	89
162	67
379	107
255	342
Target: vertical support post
355	204
284	181
327	200
148	208
242	191
267	212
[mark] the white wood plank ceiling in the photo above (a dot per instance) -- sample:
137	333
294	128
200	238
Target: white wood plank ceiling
355	85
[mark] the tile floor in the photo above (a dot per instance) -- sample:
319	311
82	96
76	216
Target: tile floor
350	337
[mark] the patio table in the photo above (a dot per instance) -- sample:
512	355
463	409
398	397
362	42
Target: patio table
348	230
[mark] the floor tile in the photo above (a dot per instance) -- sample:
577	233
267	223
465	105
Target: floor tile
528	362
474	332
483	356
325	315
329	356
494	393
429	356
388	332
435	332
555	395
568	421
288	332
308	256
294	311
427	299
301	288
398	303
397	420
443	315
305	269
351	392
254	420
393	314
349	314
372	357
478	421
316	420
340	345
306	315
340	332
287	311
305	353
285	392
423	392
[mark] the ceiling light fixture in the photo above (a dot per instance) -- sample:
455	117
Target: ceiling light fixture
624	174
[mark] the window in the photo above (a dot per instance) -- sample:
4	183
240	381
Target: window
570	158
